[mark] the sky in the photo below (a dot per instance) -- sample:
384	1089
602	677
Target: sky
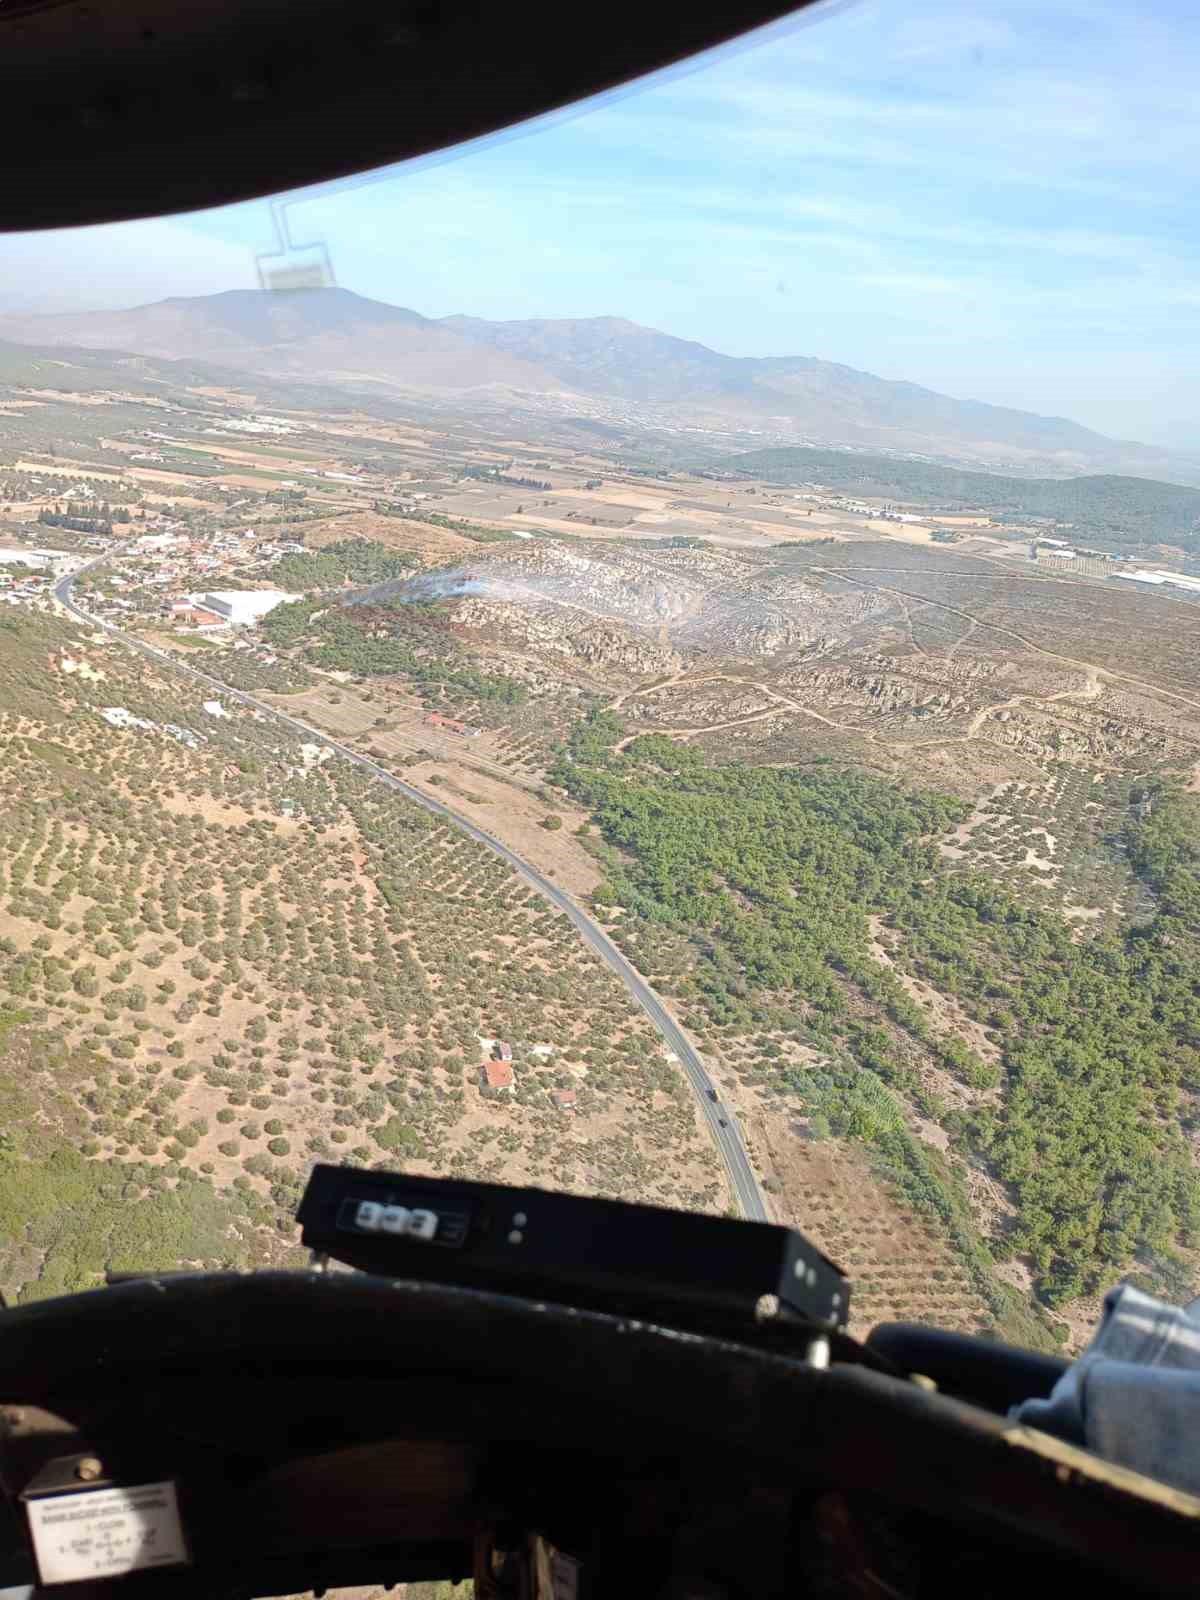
994	200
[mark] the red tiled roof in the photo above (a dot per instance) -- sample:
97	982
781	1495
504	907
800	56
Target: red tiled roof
498	1074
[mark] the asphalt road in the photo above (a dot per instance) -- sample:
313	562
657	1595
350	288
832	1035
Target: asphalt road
725	1131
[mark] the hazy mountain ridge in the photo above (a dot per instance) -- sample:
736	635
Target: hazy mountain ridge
330	333
609	354
335	335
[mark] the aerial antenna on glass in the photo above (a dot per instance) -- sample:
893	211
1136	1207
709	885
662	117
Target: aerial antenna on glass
293	266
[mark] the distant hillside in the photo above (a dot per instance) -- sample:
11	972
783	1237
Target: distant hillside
633	373
314	333
819	400
1119	511
609	355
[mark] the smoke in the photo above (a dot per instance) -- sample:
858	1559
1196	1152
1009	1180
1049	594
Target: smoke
607	591
719	604
448	584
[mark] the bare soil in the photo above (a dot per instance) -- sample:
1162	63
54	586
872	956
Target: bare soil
473	783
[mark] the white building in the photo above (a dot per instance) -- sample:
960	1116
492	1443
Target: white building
1142	576
30	558
242	608
120	717
1176	580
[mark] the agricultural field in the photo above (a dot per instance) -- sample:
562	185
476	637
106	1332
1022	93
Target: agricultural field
1058	845
253	959
902	1265
893	825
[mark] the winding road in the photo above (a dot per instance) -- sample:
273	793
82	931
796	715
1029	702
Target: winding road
722	1124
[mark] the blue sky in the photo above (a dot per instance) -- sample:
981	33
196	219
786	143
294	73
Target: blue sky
997	200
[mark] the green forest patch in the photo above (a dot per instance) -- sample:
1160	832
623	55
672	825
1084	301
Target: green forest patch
772	876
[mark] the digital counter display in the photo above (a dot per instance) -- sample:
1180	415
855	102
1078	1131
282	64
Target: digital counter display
421	1223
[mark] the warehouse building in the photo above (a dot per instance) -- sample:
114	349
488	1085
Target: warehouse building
242	608
1172	580
18	556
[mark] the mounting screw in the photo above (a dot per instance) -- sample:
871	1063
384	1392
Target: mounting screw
89	1469
766	1308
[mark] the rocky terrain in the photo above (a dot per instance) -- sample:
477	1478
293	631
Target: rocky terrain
771	663
758	653
620	609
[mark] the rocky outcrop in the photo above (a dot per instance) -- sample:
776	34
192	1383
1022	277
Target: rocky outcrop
639	610
553	631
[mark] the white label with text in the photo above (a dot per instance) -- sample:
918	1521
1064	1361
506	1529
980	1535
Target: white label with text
102	1533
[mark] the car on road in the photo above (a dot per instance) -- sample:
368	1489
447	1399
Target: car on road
712	1095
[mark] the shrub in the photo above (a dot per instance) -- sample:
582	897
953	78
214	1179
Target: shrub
397	1137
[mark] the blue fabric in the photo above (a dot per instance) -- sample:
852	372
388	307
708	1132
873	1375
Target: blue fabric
1133	1396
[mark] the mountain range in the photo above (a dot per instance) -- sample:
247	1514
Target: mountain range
605	365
